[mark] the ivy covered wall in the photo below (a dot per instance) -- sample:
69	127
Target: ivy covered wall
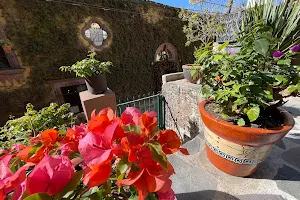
45	36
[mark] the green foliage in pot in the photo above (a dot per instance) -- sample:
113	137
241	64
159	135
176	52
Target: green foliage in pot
248	84
283	18
88	67
33	122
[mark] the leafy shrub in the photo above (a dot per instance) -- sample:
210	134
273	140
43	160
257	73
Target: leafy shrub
88	67
33	122
252	81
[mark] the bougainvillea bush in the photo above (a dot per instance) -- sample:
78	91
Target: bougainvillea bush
108	158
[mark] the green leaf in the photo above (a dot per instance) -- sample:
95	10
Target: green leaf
261	46
253	113
294	88
217	57
96	195
134	197
281	79
122	167
71	185
228	83
241	122
132	128
284	62
222	46
158	155
39	196
224	116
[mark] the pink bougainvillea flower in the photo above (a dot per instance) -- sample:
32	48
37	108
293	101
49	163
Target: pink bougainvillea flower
96	148
11	181
150	178
49	137
148	123
98	123
170	142
70	142
295	48
17	147
278	54
95	175
131	116
50	176
169	195
39	154
131	145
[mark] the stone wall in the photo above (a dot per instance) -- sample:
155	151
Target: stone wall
49	34
181	106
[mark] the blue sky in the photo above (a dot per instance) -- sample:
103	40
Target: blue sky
185	3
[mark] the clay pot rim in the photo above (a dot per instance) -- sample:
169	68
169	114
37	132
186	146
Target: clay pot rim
288	123
191	66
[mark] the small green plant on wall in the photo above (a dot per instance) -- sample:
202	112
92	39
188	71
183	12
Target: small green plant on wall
33	122
246	86
88	67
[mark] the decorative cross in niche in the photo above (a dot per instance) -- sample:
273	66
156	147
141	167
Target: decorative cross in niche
96	34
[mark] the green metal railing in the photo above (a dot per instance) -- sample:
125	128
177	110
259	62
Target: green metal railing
149	103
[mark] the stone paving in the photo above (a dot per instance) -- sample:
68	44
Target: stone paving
277	178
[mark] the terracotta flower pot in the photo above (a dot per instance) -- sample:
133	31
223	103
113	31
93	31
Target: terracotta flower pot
187	72
96	84
239	150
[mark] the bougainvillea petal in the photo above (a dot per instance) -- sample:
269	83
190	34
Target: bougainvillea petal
295	48
147	123
131	116
170	141
23	154
96	174
94	149
50	176
98	123
19	191
108	112
17	178
32	185
154	183
49	137
141	186
132	178
109	133
168	195
184	151
278	54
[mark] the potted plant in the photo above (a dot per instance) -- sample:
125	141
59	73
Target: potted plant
202	27
6	45
93	71
109	158
242	119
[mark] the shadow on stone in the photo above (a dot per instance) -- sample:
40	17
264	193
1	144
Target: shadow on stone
194	131
217	195
287	173
205	195
294	111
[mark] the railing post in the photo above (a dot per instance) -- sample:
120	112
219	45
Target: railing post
160	112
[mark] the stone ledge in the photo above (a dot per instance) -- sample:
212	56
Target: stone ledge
181	107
